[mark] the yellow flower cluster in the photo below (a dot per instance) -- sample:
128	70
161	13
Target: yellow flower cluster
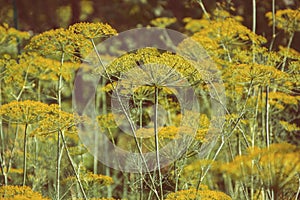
12	72
98	198
106	121
193	194
10	35
90	179
62	42
47	118
195	25
158	64
289	52
92	30
277	100
257	73
289	127
275	167
192	172
225	39
163	22
287	20
57	120
25	112
35	66
19	193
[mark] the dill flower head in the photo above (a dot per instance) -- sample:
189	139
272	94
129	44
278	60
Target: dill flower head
287	19
92	30
24	112
10	36
193	194
163	22
19	193
89	179
55	43
275	167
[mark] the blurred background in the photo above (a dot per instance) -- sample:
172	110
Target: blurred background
40	15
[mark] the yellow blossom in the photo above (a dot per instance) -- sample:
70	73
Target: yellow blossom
19	193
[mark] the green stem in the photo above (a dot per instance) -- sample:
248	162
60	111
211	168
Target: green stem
253	27
288	48
176	176
156	139
2	158
57	166
254	16
127	115
60	81
267	117
273	26
203	8
72	165
24	155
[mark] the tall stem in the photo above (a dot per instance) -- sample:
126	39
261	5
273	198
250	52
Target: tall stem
254	16
131	124
156	138
57	165
141	140
72	164
59	91
24	155
288	48
267	117
253	26
2	158
203	8
273	25
60	81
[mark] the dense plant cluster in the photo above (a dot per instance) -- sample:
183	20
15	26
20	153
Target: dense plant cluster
256	155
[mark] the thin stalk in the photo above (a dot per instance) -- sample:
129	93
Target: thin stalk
256	119
39	90
57	166
208	167
2	158
254	16
23	87
253	143
288	48
104	111
72	165
262	116
60	154
12	150
253	26
156	139
59	91
267	117
132	127
125	186
176	176
141	141
96	138
2	163
60	81
203	8
24	155
67	191
273	25
298	192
